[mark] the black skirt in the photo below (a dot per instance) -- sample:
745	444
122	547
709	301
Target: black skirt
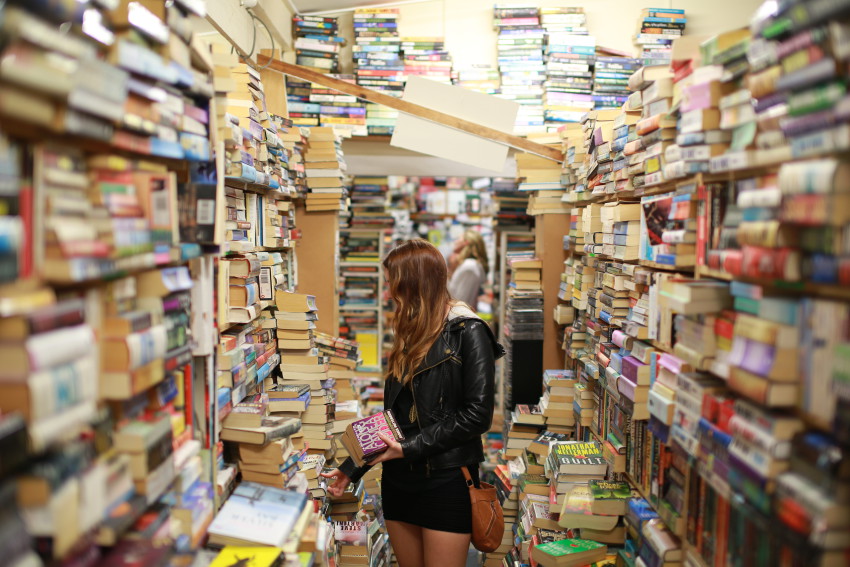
436	501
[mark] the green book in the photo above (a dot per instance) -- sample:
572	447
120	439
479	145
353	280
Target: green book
609	498
569	552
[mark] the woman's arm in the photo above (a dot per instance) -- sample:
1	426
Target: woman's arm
475	415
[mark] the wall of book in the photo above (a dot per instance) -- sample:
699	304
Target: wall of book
704	312
161	364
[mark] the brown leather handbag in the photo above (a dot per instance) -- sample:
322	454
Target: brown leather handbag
488	522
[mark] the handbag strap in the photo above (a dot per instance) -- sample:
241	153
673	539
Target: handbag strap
468	477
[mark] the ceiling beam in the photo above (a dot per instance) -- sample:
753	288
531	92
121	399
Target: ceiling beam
548	152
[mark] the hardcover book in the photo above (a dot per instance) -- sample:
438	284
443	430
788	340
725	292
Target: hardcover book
578	457
568	552
609	498
361	436
257	515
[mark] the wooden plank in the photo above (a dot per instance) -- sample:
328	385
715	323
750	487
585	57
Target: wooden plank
423	112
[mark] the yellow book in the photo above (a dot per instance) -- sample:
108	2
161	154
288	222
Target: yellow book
247	557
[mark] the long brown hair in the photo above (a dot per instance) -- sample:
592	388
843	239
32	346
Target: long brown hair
417	277
475	248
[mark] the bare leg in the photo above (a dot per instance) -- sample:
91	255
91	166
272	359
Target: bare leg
445	549
406	540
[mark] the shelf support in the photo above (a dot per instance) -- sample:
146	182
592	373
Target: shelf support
423	112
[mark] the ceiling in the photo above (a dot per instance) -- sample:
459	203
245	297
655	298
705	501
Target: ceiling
313	6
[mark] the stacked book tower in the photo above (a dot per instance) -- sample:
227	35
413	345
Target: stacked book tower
302	110
369	203
570	56
427	57
521	65
657	29
301	365
324	168
656	129
317	42
377	54
524	311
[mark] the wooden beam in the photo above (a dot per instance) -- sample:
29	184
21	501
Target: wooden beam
423	112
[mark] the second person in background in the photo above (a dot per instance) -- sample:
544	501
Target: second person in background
468	268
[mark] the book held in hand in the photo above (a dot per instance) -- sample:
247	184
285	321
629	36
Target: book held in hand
361	436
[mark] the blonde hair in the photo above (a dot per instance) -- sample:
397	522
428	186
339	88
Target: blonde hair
417	278
474	248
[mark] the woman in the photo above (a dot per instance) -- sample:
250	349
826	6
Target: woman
440	386
469	268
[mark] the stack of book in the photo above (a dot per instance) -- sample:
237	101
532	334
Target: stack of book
570	465
570	55
51	349
479	78
303	111
324	168
427	57
317	42
379	66
342	111
339	352
595	510
556	403
294	143
511	204
357	542
521	65
657	29
519	432
611	80
369	203
657	130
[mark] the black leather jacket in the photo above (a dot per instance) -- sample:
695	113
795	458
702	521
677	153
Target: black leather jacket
454	395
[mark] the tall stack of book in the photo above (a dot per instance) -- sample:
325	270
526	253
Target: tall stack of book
379	66
556	404
324	169
657	130
569	64
523	323
317	42
511	204
369	203
569	466
427	57
657	29
301	364
521	65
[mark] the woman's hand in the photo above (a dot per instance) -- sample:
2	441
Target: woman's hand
339	483
393	451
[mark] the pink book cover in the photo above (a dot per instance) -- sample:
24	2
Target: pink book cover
366	431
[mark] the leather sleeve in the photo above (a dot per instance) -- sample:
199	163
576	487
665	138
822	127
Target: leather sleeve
352	471
475	414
